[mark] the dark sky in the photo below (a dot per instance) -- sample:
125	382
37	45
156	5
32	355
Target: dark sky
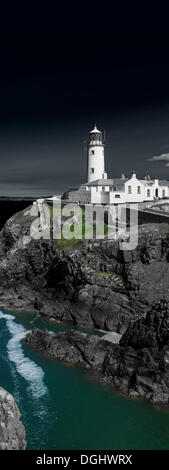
64	71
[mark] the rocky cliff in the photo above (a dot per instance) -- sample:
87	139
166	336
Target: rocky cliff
93	284
12	432
138	366
89	283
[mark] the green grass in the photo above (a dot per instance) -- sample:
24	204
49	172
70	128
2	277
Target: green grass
78	232
104	274
64	243
88	267
91	255
86	228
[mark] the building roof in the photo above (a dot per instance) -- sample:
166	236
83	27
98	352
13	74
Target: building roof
151	182
118	183
163	183
146	182
108	182
101	182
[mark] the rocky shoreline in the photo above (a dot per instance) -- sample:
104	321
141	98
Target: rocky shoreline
138	366
92	284
12	431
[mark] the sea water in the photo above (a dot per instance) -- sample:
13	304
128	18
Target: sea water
62	408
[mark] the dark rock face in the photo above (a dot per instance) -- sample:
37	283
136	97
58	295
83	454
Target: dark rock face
12	431
92	284
151	332
86	351
138	366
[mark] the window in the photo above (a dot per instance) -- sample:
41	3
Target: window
129	189
91	170
92	152
96	189
117	195
163	193
111	188
103	188
148	192
138	189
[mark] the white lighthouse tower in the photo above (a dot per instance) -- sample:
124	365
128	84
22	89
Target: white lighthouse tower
95	156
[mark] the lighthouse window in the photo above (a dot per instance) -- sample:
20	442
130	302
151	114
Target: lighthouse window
92	152
91	170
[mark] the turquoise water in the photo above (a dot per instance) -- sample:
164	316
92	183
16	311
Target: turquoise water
62	408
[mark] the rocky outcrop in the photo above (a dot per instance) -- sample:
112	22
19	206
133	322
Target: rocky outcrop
138	366
87	351
91	283
12	431
151	332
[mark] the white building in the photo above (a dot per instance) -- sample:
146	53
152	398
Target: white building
95	156
101	190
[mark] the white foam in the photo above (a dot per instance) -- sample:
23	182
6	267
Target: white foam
7	316
28	369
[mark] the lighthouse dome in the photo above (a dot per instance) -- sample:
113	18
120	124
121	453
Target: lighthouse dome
95	130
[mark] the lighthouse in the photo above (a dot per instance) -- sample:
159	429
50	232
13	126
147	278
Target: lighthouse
99	189
95	156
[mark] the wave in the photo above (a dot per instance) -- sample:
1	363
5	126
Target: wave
7	316
28	369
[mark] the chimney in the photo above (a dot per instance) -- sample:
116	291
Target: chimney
133	174
147	177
